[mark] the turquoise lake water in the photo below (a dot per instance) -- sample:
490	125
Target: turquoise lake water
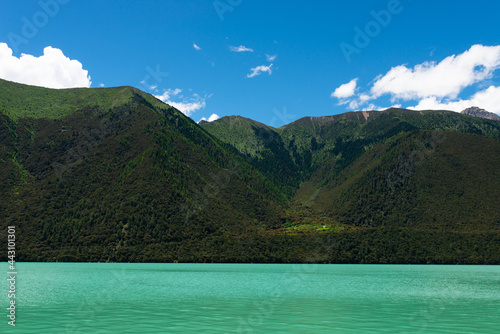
253	298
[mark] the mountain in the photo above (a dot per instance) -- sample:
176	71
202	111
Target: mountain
481	113
315	149
262	146
395	172
113	174
422	179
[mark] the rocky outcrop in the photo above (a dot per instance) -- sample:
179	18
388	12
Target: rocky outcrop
481	113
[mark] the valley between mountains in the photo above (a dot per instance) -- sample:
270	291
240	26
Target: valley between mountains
113	174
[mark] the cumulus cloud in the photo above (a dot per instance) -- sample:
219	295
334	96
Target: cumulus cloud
346	90
196	47
167	94
52	69
488	99
185	105
212	118
271	58
444	79
434	85
153	88
187	108
258	70
240	48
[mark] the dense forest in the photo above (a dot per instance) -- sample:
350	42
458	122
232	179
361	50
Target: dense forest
113	174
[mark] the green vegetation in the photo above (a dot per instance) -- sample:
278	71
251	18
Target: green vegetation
116	175
23	101
423	179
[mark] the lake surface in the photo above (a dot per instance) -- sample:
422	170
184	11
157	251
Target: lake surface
253	298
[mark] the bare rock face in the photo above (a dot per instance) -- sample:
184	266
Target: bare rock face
481	113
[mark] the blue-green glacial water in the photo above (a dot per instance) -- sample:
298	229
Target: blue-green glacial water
252	298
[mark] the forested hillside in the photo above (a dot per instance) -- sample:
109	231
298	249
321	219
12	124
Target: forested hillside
113	174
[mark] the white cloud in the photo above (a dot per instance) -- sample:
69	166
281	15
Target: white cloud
196	47
53	69
364	97
176	91
186	105
153	88
271	58
168	93
371	107
101	85
435	85
346	90
444	79
488	99
213	117
240	48
187	108
258	70
353	105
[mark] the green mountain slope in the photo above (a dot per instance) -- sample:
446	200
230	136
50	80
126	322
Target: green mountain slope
246	135
422	179
116	175
424	175
123	180
23	101
316	149
262	147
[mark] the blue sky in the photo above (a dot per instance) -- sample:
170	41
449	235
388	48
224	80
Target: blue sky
296	58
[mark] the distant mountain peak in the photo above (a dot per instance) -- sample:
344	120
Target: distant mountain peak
481	113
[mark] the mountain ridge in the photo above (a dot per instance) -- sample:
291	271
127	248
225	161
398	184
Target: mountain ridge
481	113
117	175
